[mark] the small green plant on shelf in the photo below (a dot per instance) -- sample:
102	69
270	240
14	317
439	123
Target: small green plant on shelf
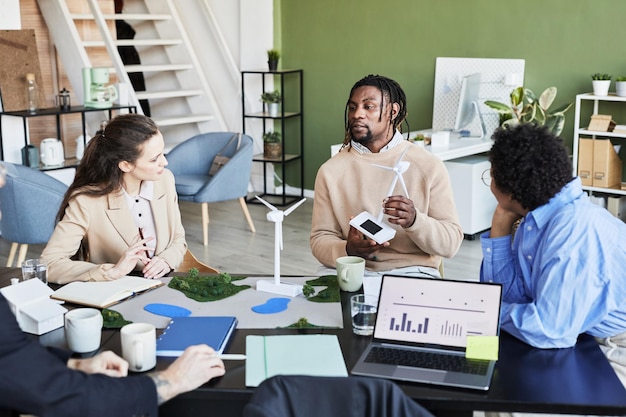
270	97
600	76
620	79
271	137
273	55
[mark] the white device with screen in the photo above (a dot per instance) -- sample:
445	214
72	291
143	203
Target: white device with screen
371	227
468	104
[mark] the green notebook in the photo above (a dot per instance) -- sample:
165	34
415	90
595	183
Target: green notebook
311	354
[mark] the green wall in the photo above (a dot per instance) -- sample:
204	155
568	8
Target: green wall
337	42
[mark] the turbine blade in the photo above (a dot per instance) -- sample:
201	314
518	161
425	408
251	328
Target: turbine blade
280	233
266	203
295	206
403	152
383	167
406	192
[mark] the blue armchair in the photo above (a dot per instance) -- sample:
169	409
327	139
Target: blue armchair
190	162
29	202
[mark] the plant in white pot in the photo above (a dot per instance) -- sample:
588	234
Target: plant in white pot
272	148
620	86
526	108
601	83
272	99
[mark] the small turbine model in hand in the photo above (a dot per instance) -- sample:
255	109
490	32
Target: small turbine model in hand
374	227
284	288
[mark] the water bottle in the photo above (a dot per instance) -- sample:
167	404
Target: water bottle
32	93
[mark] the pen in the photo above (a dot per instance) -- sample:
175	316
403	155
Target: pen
232	357
142	238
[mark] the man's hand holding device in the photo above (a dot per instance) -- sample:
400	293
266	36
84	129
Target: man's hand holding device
373	228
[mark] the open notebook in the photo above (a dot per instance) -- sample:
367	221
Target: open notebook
421	330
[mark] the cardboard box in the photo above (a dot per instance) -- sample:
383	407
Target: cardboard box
617	206
35	312
607	166
601	123
585	161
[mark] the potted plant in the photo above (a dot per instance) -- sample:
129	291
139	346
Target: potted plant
525	107
272	148
601	84
271	98
620	86
273	55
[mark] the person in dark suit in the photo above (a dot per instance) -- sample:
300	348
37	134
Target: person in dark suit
48	382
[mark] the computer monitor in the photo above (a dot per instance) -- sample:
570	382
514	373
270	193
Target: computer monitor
468	104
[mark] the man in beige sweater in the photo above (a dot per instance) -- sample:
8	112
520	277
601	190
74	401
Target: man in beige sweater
426	221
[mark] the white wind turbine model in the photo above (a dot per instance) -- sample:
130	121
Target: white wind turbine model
374	227
399	168
284	288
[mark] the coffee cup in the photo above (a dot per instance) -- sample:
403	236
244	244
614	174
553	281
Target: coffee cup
83	329
139	346
350	270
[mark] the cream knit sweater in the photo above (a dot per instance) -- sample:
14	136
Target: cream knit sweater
347	184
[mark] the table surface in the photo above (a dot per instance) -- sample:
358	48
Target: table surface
577	380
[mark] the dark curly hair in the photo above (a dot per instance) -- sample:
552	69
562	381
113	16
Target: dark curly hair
530	163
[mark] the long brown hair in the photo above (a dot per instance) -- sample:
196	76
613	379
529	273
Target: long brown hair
98	173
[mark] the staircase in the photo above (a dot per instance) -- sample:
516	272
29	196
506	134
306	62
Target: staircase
176	88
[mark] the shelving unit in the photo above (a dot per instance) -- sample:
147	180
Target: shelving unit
579	131
57	113
291	128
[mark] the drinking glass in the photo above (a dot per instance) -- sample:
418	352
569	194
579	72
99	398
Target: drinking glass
35	268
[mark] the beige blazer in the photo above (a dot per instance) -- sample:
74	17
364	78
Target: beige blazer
105	225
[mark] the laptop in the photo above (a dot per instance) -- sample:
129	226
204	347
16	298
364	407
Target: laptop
428	320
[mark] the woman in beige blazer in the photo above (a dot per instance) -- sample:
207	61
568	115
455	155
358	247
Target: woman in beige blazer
121	214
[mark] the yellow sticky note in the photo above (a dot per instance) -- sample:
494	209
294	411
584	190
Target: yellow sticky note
482	347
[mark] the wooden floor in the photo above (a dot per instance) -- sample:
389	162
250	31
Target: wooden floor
233	248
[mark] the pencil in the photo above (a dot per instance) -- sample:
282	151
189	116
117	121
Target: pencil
142	238
232	356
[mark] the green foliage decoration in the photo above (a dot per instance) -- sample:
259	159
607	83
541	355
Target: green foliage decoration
525	107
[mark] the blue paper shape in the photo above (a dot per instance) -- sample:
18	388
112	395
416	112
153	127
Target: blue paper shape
167	310
271	306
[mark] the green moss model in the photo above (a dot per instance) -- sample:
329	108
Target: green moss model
302	323
207	288
111	319
330	294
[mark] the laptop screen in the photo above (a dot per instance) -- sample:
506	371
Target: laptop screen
436	311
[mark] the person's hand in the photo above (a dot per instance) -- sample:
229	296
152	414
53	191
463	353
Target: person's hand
135	253
502	221
198	364
357	244
401	210
107	363
156	268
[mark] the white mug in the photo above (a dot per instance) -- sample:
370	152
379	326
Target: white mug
83	329
139	346
350	271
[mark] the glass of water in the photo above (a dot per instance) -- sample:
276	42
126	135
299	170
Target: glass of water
363	314
35	268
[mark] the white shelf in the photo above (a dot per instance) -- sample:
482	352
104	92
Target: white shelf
578	131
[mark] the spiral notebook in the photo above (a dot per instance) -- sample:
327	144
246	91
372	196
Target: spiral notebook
183	332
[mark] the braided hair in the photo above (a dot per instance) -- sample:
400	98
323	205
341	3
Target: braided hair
121	139
390	90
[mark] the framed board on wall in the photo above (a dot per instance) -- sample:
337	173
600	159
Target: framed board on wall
18	50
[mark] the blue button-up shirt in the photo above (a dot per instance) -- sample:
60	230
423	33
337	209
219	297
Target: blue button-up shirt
563	274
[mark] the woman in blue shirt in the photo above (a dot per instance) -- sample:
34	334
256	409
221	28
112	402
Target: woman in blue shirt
562	271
